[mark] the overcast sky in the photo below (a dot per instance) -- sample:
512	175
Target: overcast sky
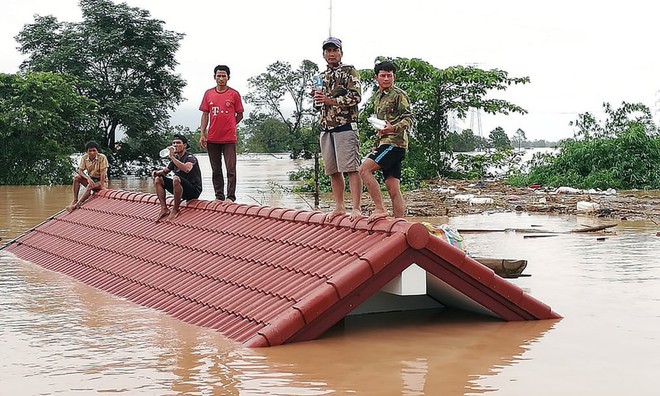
578	54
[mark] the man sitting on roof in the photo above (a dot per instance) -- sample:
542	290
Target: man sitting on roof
91	173
186	183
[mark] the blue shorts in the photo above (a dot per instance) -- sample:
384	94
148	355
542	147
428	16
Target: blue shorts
389	159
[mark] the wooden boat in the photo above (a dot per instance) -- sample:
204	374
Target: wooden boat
506	268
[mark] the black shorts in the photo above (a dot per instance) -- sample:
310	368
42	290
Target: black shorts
389	159
189	190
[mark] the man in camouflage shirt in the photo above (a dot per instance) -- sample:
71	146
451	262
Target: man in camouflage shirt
392	105
337	103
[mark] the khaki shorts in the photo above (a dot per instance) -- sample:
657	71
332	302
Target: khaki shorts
340	151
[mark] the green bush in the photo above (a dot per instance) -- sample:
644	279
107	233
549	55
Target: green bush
305	178
628	160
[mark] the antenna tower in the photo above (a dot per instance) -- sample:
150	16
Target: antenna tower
475	117
330	22
475	114
656	107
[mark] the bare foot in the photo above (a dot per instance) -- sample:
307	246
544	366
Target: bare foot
71	208
377	216
331	216
173	215
355	213
163	213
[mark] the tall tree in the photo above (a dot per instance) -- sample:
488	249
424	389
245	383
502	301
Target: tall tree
42	121
434	93
618	121
121	58
466	140
498	139
519	137
281	88
266	134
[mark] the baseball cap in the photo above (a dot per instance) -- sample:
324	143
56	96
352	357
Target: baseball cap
183	139
332	41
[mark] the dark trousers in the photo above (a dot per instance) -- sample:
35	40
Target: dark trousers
216	152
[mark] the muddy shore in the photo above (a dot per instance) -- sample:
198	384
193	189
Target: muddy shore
456	197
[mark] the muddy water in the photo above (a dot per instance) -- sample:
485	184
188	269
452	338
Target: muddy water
58	336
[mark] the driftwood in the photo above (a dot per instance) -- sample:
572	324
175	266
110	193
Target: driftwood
536	231
512	268
506	268
517	230
594	228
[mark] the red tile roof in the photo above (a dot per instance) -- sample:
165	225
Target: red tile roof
260	275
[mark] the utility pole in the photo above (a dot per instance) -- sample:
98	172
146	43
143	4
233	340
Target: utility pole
330	22
317	200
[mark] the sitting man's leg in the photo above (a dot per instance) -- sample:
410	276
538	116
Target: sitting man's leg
77	181
89	190
187	192
178	194
162	184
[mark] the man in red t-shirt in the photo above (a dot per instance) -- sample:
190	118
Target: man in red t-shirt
222	110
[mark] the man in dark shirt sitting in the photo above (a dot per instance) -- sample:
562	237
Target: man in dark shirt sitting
186	183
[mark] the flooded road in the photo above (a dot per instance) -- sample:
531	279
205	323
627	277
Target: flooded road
59	336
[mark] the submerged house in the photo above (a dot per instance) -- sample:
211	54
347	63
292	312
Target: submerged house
265	276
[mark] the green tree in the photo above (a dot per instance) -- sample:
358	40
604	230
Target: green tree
488	164
498	139
281	86
542	143
121	58
42	121
617	121
434	93
466	140
266	134
621	152
519	138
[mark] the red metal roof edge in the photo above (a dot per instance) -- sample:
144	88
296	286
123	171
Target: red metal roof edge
357	296
486	276
337	295
398	256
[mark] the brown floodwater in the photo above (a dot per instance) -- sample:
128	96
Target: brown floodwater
59	336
